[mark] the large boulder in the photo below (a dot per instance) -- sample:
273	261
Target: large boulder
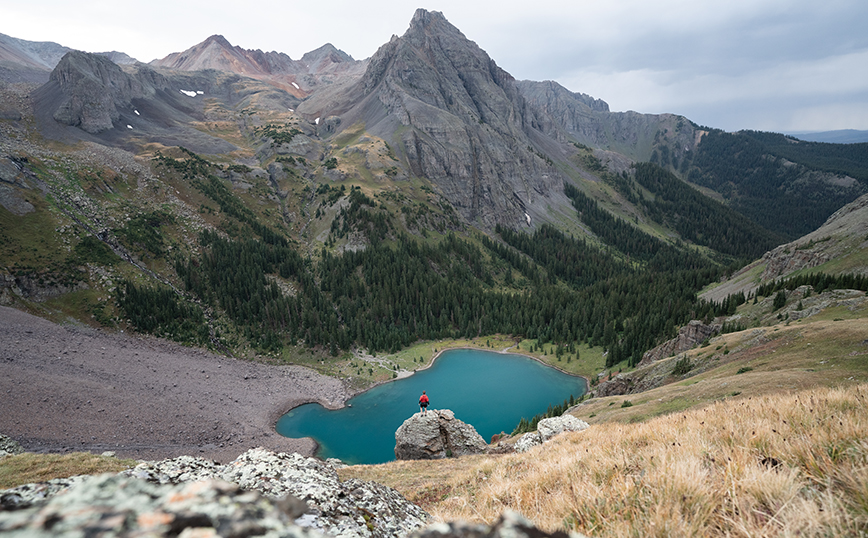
548	428
436	434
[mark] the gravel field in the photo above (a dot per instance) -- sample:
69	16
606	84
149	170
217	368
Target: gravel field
73	388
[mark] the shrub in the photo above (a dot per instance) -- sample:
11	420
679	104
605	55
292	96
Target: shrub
744	369
682	366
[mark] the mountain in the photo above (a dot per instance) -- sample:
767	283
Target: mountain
842	136
837	247
298	77
421	194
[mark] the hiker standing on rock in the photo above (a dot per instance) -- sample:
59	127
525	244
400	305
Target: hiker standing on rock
423	402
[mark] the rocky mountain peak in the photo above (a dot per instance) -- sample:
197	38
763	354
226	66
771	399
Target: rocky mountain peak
218	40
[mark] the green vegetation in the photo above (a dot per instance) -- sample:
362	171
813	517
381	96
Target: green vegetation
683	366
754	172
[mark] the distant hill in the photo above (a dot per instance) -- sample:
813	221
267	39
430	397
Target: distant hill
842	136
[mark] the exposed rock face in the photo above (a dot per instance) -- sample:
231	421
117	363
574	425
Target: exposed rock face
94	86
688	337
458	118
548	428
434	435
589	121
334	507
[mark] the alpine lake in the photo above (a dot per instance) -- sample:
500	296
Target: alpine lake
489	390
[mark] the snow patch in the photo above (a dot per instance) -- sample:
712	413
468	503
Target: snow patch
316	121
291	110
188	93
295	86
527	217
137	112
129	126
200	92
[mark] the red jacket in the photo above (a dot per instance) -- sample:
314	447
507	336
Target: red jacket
423	399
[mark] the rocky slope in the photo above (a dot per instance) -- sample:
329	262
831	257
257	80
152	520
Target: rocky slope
457	118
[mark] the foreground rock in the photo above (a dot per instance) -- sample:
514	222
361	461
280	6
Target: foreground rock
548	428
109	506
436	434
350	509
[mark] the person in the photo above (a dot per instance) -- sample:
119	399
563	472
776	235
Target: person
423	402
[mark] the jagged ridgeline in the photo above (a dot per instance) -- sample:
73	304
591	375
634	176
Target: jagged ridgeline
258	285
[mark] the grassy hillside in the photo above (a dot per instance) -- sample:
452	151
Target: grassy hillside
762	435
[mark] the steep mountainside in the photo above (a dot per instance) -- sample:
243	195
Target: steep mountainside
839	246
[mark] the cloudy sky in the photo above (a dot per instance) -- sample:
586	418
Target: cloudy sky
777	65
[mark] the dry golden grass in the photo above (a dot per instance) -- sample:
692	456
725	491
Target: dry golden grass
29	468
783	464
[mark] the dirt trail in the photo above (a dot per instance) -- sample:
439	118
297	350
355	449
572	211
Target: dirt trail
72	388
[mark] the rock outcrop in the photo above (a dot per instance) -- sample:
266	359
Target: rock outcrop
109	506
265	481
689	336
548	428
9	446
436	434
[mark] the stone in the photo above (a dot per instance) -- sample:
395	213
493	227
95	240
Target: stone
436	434
9	446
527	441
550	427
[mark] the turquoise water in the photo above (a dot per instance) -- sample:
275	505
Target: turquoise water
491	391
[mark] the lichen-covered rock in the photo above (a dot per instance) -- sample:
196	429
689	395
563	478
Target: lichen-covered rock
111	505
9	446
436	434
352	509
29	494
549	427
528	441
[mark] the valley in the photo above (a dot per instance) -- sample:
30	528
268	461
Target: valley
190	248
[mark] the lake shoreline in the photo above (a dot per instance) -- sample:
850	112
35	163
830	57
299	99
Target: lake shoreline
302	426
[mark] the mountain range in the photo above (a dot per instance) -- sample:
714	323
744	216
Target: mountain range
334	156
335	223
